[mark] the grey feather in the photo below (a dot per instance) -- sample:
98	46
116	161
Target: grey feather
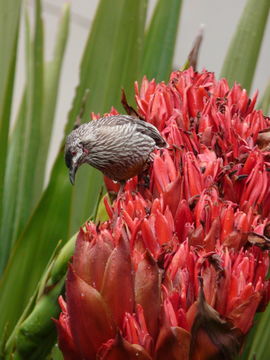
119	145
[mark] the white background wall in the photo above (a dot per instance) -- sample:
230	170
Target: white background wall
219	17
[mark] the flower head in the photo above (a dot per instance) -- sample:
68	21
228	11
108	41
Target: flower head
182	260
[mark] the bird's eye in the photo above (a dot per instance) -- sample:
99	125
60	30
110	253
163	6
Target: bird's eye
73	153
83	147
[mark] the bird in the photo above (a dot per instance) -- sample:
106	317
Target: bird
120	146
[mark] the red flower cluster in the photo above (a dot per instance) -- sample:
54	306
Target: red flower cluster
178	272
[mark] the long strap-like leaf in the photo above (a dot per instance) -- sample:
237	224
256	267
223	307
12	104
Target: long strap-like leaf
9	24
264	103
160	40
21	193
30	140
242	55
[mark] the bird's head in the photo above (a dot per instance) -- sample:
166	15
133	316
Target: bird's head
75	153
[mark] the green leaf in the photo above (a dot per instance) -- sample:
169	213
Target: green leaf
264	103
37	334
19	139
52	72
160	40
102	214
117	24
21	194
55	354
27	340
9	24
241	59
34	248
257	345
12	179
35	325
29	190
260	344
124	21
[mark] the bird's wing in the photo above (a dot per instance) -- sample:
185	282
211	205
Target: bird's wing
113	120
141	126
150	130
107	136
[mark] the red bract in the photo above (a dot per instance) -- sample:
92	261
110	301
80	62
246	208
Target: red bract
179	269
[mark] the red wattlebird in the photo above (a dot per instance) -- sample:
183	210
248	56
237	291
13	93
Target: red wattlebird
119	146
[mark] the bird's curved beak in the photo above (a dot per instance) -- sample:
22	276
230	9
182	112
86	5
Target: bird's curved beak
72	173
73	164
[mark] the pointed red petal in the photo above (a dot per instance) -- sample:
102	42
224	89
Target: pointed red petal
90	259
163	231
173	194
160	174
212	337
65	339
173	343
242	315
120	349
182	217
118	283
90	320
147	292
149	239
